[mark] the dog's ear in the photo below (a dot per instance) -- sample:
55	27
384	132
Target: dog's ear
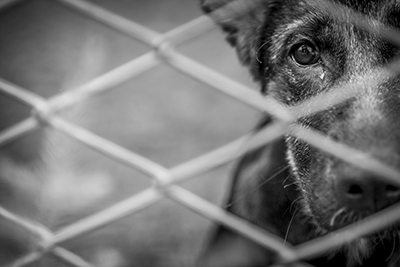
243	22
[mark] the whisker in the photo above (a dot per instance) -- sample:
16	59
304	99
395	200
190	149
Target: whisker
291	206
393	249
289	226
398	253
258	50
287	178
279	171
333	219
349	217
287	185
293	202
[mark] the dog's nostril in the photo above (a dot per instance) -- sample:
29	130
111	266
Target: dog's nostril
363	193
355	191
392	191
391	188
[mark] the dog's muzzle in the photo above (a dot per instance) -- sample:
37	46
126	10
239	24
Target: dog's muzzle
360	191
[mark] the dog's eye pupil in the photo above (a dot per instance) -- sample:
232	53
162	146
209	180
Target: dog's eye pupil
305	54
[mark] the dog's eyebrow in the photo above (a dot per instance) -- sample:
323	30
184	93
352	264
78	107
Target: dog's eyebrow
308	23
295	25
313	18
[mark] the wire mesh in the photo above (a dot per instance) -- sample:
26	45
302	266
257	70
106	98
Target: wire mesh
166	186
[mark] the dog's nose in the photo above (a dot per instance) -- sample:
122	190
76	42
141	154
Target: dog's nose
365	193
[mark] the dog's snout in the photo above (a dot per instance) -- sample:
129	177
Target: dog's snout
365	193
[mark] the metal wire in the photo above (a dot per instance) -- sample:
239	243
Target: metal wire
162	45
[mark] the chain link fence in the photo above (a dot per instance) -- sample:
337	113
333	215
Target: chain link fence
166	180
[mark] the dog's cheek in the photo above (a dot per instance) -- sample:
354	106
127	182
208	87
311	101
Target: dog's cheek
294	84
308	166
321	192
299	157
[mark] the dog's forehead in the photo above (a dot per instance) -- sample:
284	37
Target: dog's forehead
367	7
310	15
384	11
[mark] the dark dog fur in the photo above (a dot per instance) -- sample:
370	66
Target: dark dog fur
289	187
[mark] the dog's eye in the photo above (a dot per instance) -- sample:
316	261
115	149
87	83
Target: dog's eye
305	54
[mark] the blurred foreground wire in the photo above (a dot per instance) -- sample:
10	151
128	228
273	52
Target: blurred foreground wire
167	180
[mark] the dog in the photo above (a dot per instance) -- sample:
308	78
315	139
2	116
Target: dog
296	49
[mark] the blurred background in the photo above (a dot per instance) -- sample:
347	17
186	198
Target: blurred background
161	114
